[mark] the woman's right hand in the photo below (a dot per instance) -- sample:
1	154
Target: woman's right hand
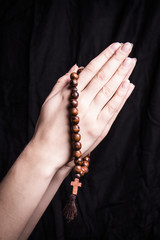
103	90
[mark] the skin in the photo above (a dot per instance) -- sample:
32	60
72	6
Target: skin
36	175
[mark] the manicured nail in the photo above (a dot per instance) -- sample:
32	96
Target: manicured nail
127	62
125	84
135	59
131	88
127	47
115	46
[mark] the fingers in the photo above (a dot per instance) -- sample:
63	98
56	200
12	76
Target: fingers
112	85
130	90
106	72
113	106
109	123
95	65
73	68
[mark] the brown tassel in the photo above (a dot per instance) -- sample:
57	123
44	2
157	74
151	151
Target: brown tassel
70	210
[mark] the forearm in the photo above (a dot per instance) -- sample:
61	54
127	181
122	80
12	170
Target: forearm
46	199
21	191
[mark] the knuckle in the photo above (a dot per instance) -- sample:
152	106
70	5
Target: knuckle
120	94
90	68
107	53
59	80
111	107
64	96
107	91
101	75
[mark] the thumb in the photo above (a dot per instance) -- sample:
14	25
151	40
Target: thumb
73	68
62	82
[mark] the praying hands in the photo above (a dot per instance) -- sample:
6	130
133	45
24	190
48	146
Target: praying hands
36	175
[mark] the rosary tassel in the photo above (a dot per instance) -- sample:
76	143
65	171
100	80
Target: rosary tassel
70	210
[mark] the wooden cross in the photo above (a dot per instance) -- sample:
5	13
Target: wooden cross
75	185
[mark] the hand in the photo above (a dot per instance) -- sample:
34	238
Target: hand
101	99
103	89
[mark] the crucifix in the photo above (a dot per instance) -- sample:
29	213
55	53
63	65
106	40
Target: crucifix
75	185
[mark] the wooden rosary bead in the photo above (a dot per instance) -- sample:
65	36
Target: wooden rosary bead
74	75
87	159
80	70
77	145
76	128
75	120
77	175
74	111
85	163
77	169
82	173
74	89
85	169
77	154
74	94
74	103
78	161
74	82
76	137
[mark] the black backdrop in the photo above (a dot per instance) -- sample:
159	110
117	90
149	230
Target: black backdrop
39	42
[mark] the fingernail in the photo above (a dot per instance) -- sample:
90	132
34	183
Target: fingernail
131	88
127	62
115	46
125	84
135	59
73	68
127	47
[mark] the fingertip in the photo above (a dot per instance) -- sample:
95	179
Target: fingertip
131	88
73	68
114	46
132	85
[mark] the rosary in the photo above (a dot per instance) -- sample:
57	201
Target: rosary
81	164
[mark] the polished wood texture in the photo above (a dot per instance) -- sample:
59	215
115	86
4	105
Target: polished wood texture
81	164
75	185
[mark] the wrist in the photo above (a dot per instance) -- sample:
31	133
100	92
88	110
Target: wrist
40	158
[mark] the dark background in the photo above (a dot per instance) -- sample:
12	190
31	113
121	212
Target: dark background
39	42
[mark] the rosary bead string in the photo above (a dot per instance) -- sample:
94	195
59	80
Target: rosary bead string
81	164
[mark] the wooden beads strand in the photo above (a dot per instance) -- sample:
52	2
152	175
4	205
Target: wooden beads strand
81	164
